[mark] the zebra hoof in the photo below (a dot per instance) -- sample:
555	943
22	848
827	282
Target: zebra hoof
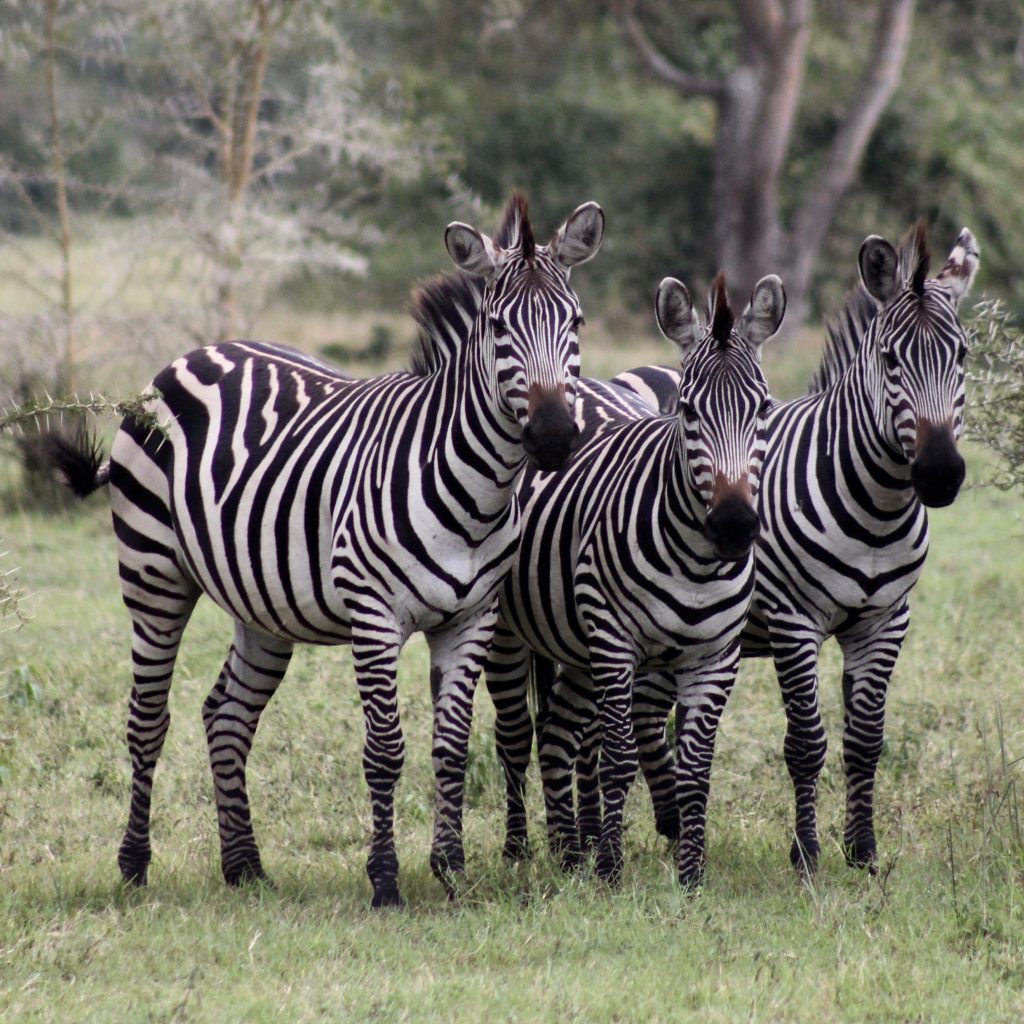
134	864
691	878
803	855
387	898
590	837
861	853
567	853
609	867
516	849
666	823
247	873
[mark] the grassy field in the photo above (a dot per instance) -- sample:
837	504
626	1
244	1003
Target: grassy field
936	935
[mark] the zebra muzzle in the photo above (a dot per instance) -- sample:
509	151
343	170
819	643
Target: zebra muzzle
939	469
732	527
551	434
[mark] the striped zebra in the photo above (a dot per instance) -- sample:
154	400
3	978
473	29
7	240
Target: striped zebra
849	471
314	508
638	557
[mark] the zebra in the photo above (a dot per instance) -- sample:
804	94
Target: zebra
638	556
849	472
315	508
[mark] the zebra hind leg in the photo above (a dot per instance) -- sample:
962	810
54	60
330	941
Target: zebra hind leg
570	706
507	675
457	657
618	763
156	636
255	665
702	700
653	699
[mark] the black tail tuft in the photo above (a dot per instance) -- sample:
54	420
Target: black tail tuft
77	462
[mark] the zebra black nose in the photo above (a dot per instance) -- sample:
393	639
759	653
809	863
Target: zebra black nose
938	471
732	527
551	435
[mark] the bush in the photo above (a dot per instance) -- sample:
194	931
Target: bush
996	410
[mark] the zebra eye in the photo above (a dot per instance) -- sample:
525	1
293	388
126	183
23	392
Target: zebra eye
686	409
766	407
577	324
890	359
498	328
961	355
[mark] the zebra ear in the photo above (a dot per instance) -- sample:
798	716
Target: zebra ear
961	266
471	251
676	315
764	312
579	238
878	268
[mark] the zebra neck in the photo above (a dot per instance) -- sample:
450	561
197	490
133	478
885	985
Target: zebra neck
855	443
478	449
681	502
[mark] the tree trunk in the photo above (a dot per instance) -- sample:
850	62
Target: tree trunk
757	103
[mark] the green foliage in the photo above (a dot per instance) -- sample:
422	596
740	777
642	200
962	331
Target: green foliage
996	409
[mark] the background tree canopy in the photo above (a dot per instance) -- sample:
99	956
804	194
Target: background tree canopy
374	123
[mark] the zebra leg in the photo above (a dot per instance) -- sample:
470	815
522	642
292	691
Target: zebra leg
156	637
507	674
653	697
613	683
254	668
702	700
868	662
457	657
796	661
375	656
570	706
588	785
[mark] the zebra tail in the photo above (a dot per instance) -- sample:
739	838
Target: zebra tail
78	462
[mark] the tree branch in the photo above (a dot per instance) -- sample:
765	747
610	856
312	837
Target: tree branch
882	69
659	64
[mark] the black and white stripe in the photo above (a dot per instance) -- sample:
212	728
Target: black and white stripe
637	557
847	475
318	509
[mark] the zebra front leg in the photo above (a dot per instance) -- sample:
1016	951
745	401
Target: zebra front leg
653	697
457	657
796	660
254	668
375	656
869	658
155	642
702	698
570	706
613	683
507	674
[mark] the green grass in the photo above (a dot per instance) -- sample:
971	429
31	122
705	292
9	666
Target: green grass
937	935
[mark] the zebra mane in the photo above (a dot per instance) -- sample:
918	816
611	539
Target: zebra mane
848	328
719	313
445	308
846	331
516	228
913	257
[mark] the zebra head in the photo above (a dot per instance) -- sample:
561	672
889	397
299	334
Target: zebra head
921	346
723	403
530	319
